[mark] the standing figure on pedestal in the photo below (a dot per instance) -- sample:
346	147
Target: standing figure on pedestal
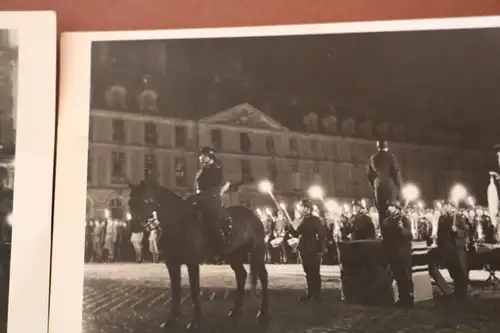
312	246
384	177
397	238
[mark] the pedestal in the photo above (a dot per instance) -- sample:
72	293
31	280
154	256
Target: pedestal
422	288
365	274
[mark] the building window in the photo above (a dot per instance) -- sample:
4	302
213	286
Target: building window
294	147
271	149
180	136
245	144
330	124
311	122
89	209
118	167
246	171
273	172
180	172
314	147
315	169
91	128
89	167
116	97
150	165
216	136
148	100
118	130
150	134
295	176
117	209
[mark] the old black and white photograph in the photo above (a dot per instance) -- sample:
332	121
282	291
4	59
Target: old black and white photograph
315	178
27	95
8	96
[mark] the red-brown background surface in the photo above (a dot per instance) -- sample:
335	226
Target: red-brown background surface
74	15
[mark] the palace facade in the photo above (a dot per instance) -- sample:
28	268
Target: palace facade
137	125
8	100
251	146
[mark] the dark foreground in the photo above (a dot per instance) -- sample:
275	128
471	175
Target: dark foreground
121	298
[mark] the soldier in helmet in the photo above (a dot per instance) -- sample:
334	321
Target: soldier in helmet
396	238
384	177
360	224
208	183
452	243
311	246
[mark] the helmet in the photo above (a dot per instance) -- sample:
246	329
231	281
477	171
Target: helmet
359	203
208	151
395	204
306	203
382	144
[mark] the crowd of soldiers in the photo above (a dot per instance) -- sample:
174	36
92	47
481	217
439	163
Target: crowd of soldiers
115	240
357	221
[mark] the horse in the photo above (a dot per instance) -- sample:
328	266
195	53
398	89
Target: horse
183	242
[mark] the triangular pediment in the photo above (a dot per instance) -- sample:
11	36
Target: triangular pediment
245	115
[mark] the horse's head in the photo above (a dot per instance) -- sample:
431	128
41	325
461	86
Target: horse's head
143	201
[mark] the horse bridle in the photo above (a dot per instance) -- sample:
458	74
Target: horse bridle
152	223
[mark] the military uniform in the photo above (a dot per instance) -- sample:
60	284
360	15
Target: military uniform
452	242
208	184
361	225
396	238
312	244
6	198
385	178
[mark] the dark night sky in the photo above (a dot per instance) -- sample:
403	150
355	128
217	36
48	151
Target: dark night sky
445	76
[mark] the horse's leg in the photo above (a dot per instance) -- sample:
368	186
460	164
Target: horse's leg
259	267
194	285
241	278
174	271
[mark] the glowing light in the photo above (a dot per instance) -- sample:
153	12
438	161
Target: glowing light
316	192
410	192
347	209
9	219
332	206
128	216
265	186
458	193
268	211
107	213
471	201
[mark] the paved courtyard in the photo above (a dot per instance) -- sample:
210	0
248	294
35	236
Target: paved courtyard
121	298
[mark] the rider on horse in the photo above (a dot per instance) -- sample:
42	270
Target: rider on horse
208	183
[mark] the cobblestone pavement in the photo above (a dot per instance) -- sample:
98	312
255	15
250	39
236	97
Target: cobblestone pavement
121	298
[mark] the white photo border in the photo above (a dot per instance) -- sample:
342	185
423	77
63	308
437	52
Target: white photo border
33	168
72	149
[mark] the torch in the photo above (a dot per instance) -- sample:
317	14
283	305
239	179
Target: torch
316	192
265	186
457	194
411	193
